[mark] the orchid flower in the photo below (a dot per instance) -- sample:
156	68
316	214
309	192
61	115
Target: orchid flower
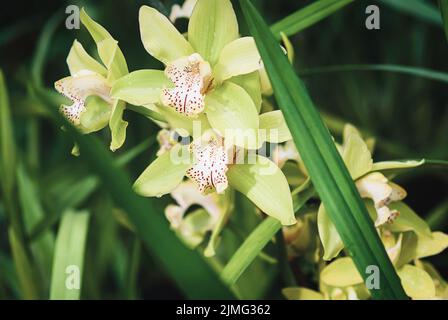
211	216
211	75
371	183
90	82
207	162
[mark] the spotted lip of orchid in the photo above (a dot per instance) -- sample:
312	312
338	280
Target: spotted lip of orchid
78	88
377	187
210	166
191	77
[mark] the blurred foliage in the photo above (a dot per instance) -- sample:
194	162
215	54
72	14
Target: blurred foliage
407	114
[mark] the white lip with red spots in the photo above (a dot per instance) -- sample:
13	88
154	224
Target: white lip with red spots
77	88
191	77
210	167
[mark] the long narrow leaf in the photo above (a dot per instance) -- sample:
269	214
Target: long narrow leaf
307	16
414	71
255	242
328	173
419	8
68	259
443	4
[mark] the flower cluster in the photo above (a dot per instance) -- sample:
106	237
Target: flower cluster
211	95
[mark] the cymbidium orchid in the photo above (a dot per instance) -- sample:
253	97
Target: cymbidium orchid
90	83
210	80
372	185
211	75
192	227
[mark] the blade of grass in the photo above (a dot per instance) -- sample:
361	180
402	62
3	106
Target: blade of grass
190	271
420	9
132	270
414	71
256	241
328	173
75	193
32	213
23	266
68	262
443	4
20	252
307	16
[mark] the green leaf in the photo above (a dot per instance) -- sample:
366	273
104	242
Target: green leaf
78	59
238	57
68	262
443	4
32	213
327	171
24	269
212	25
417	282
164	173
266	186
231	111
117	125
187	268
298	293
341	273
276	129
329	236
418	8
141	87
7	147
160	38
256	241
307	16
409	70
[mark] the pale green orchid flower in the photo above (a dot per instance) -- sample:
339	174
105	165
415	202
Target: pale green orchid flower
210	76
193	227
90	83
341	280
371	184
212	169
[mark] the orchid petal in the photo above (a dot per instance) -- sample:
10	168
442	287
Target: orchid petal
108	49
355	153
275	127
237	58
77	88
251	83
164	174
191	77
117	125
266	186
96	116
231	111
417	283
329	236
160	38
78	59
210	166
141	87
212	25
